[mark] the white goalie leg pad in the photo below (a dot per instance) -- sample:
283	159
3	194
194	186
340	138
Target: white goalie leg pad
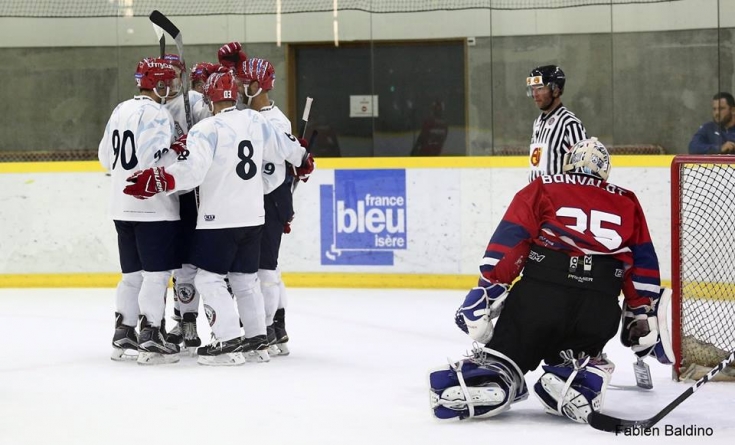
663	351
572	390
483	385
152	298
126	297
269	287
186	292
218	305
246	288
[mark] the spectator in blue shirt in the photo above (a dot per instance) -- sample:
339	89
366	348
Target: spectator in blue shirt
717	136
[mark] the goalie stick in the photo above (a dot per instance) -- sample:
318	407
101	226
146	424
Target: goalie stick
161	21
604	422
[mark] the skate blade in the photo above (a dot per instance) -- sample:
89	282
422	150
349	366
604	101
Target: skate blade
191	351
283	348
124	355
228	359
154	358
261	356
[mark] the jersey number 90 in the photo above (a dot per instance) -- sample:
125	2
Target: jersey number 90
120	150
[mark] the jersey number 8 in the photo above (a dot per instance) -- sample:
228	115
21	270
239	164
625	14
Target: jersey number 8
246	168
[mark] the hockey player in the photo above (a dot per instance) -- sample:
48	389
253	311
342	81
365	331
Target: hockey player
579	240
257	77
200	72
138	136
226	162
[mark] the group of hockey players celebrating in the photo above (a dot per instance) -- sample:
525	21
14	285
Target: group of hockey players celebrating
202	191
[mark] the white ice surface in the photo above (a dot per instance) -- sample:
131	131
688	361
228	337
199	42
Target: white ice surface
356	375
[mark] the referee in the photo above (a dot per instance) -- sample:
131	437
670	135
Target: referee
557	129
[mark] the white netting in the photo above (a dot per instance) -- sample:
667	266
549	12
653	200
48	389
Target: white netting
707	262
112	8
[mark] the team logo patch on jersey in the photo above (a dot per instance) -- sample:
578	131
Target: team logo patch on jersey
363	217
208	217
551	122
536	156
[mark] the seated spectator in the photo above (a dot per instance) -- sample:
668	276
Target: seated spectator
717	136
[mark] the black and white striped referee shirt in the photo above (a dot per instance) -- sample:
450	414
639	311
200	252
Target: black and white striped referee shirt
554	134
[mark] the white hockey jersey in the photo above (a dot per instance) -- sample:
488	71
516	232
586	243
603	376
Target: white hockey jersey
274	170
197	107
138	136
226	162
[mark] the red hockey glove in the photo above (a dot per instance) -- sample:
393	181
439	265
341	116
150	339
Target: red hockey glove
287	227
179	145
231	55
149	182
307	166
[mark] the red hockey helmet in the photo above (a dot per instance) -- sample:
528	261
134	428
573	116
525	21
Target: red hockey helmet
174	60
220	87
153	74
257	70
202	70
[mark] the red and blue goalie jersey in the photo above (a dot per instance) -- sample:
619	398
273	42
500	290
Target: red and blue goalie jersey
578	215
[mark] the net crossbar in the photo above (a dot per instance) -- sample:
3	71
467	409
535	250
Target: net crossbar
138	8
703	263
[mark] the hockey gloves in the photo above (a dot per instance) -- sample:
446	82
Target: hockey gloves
480	307
179	145
231	55
307	164
645	328
149	182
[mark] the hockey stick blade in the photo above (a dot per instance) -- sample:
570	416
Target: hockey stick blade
613	424
165	24
160	20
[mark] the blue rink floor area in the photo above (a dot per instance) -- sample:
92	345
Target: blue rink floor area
357	374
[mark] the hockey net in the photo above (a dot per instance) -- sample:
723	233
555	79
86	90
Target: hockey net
703	264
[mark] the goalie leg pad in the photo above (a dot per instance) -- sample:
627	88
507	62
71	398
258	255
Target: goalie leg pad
482	385
573	389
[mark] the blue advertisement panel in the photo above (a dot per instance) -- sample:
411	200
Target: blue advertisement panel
363	217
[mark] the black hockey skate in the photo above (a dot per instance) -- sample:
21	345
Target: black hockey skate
189	331
221	353
176	336
153	349
255	349
279	325
124	341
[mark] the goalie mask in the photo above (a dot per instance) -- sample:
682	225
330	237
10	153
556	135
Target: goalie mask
547	75
588	157
157	75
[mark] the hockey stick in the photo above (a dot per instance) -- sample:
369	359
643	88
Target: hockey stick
604	422
302	132
164	23
161	39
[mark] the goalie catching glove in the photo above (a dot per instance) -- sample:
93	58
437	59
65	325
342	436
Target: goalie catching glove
149	182
480	307
645	328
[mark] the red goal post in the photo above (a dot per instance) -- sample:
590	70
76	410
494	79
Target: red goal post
702	263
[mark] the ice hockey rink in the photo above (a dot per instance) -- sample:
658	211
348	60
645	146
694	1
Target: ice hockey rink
356	375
